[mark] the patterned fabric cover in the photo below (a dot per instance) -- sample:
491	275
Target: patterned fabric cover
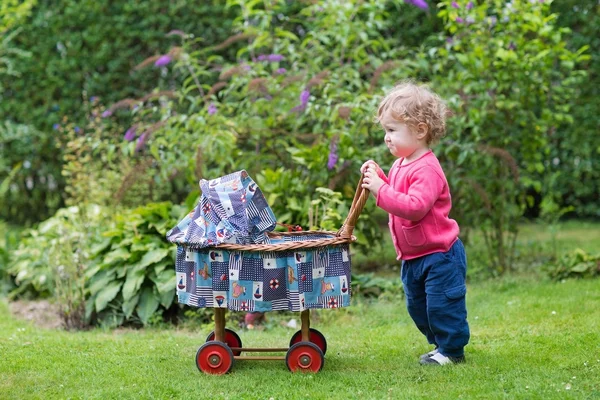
250	280
232	209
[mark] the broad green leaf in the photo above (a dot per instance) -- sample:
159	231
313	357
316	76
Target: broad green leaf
120	254
134	281
148	305
100	247
159	267
166	298
101	280
107	294
166	281
151	257
582	267
129	305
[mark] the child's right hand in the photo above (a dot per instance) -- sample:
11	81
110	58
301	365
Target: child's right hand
366	165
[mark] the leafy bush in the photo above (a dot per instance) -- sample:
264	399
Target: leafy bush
371	286
55	253
574	177
26	168
99	61
576	264
9	239
276	111
133	274
511	81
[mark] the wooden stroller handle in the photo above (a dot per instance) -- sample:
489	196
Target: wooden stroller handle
358	203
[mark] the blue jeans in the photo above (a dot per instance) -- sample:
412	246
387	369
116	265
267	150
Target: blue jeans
435	297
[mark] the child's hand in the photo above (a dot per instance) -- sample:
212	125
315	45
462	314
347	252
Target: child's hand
366	164
371	180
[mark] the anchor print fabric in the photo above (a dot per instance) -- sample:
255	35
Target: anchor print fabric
264	281
232	209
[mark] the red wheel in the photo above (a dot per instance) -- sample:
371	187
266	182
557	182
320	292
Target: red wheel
231	339
214	358
305	357
315	337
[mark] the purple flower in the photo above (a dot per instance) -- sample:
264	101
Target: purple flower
77	129
130	134
450	40
492	21
281	71
512	46
304	96
459	20
275	57
140	142
333	156
455	5
162	61
246	67
262	57
93	99
422	4
212	109
55	127
469	5
106	113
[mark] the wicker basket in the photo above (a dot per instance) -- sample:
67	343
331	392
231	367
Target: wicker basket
342	236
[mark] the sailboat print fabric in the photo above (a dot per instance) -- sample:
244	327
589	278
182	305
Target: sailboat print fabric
233	210
264	281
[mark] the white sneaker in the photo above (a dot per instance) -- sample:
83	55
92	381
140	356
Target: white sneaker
427	355
440	359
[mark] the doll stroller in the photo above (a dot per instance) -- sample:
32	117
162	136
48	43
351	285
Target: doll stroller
229	257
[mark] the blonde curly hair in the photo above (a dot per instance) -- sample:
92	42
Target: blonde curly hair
414	104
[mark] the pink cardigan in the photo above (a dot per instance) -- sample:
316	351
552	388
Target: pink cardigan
417	197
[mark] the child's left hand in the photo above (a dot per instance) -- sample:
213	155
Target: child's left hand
372	181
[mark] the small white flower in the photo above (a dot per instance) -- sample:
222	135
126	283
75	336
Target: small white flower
553	312
568	386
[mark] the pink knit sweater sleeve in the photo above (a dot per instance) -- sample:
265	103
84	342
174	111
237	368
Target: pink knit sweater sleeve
381	174
425	187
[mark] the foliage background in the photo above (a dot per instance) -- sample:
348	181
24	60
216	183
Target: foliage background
123	106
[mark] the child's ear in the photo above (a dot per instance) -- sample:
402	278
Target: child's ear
422	131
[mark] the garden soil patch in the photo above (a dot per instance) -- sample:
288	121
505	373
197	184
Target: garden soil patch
41	313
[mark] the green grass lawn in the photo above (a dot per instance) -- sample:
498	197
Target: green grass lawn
531	339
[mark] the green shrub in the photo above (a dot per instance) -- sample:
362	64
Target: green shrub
133	274
56	250
576	264
9	240
83	49
573	174
370	286
511	81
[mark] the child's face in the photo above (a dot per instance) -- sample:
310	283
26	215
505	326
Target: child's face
400	139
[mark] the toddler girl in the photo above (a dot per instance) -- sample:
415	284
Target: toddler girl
416	195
